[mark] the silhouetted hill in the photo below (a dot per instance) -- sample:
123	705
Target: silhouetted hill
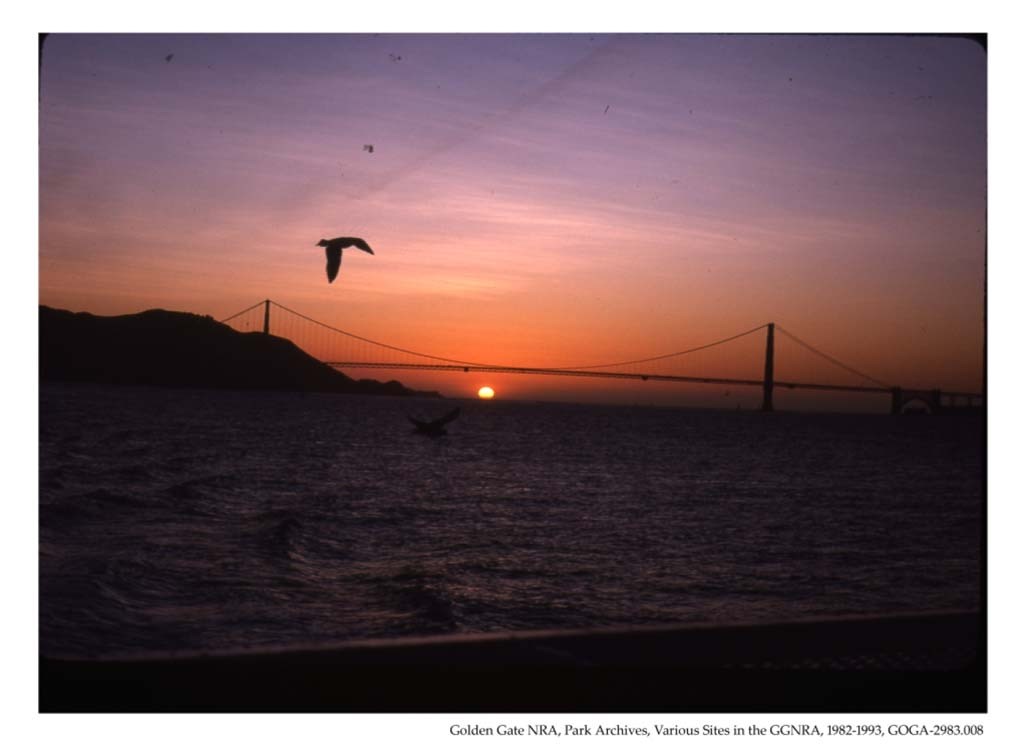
158	347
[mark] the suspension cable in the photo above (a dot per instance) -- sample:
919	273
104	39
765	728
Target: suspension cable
833	360
575	367
663	356
479	364
243	312
378	343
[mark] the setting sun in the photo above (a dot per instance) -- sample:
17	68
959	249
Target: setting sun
699	266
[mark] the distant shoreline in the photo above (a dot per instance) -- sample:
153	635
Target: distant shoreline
184	350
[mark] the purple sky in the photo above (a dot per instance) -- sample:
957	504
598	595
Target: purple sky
532	198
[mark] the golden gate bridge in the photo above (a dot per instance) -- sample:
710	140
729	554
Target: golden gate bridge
344	349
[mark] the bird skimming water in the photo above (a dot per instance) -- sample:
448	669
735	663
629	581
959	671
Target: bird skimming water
435	427
333	252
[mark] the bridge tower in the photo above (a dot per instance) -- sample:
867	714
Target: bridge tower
266	316
769	369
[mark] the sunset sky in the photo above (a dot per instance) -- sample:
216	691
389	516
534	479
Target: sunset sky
538	200
844	204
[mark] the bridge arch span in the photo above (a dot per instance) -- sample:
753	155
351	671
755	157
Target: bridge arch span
908	401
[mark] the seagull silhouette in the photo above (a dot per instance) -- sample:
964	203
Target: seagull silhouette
434	427
333	252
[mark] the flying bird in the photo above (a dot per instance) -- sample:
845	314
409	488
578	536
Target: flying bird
333	252
435	427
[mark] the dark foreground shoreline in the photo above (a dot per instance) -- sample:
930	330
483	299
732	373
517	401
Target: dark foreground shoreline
906	663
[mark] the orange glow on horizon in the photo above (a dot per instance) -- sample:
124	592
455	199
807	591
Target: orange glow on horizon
515	224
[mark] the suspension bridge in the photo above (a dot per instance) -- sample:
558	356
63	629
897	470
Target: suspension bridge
346	350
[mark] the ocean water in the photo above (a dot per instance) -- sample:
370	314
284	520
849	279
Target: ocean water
191	519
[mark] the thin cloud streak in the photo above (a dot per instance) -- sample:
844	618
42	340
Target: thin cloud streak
697	182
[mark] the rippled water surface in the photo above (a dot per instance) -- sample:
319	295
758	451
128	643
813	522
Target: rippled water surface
188	519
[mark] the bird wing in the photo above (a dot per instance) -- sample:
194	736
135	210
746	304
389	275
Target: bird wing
450	416
333	262
435	424
361	244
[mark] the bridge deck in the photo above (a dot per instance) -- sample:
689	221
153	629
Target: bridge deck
634	376
351	360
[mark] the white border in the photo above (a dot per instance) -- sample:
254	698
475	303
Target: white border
20	443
